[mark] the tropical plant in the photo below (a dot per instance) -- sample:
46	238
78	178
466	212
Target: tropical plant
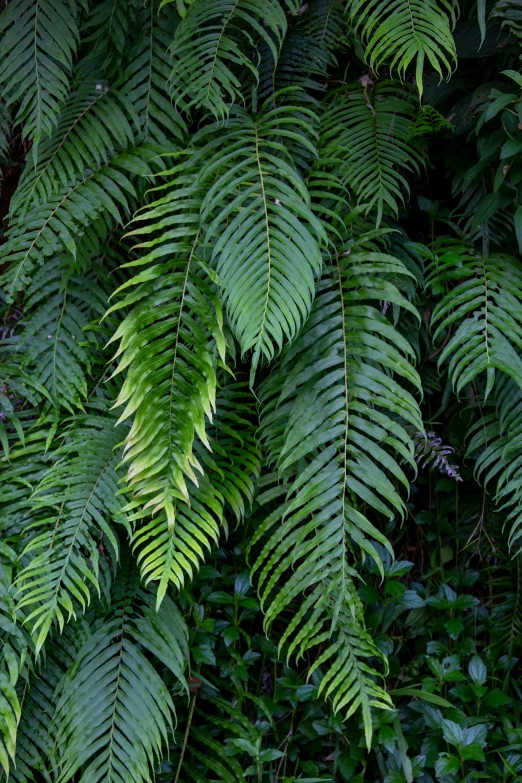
260	391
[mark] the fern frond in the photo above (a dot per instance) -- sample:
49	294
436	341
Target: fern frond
13	652
333	425
266	240
107	727
484	307
74	505
97	200
146	78
375	126
497	440
94	112
172	553
405	31
34	742
109	29
55	349
169	345
308	51
214	40
37	49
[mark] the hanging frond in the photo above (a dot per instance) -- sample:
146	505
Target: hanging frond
402	32
96	123
374	125
13	652
496	440
146	76
308	52
215	41
109	30
333	425
37	49
266	240
55	349
112	726
98	200
170	342
172	553
35	742
480	315
73	506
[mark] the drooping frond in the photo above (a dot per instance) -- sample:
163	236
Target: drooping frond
146	77
307	54
55	350
216	40
13	651
374	125
333	425
39	40
95	124
497	443
403	32
266	241
110	726
34	741
97	200
169	345
109	29
73	505
481	315
174	552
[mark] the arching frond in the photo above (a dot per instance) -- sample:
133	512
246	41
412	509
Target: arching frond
109	29
39	41
333	425
73	506
93	112
169	345
266	240
172	553
13	651
405	32
58	224
146	77
215	41
308	51
35	742
110	726
481	315
497	442
55	350
375	126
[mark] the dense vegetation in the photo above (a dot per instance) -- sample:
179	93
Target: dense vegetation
261	391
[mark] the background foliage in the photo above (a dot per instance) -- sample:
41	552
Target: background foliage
261	391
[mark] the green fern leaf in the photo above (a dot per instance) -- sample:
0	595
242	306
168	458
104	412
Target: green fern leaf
333	424
215	36
59	305
100	720
73	505
374	125
266	240
484	307
169	345
171	553
36	55
59	223
146	77
93	111
406	31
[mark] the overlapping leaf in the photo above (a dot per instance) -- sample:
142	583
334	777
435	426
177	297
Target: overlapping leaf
215	41
266	239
